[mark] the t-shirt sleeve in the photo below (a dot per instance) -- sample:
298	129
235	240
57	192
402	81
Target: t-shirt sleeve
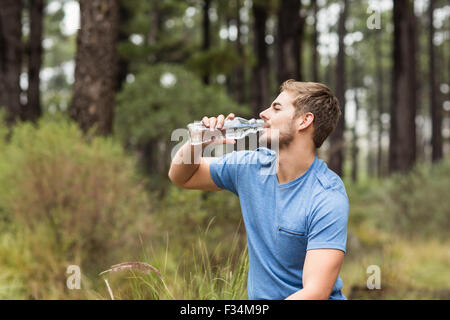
223	170
328	222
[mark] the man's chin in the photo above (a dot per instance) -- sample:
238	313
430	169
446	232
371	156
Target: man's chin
264	141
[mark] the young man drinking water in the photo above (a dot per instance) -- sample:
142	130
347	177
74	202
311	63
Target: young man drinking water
295	218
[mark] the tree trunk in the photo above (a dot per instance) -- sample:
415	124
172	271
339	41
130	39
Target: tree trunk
337	138
148	155
435	108
315	56
379	68
355	149
33	109
123	36
156	24
240	72
290	34
96	66
402	150
10	58
206	33
260	83
371	154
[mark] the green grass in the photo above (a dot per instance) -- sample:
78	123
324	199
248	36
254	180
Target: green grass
410	269
195	275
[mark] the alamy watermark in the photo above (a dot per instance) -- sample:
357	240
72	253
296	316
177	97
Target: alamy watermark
374	280
74	279
374	20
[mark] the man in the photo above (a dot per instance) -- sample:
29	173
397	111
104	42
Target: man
295	218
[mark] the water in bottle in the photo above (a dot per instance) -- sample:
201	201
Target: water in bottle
237	128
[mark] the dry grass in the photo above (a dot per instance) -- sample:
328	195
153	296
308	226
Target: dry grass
410	269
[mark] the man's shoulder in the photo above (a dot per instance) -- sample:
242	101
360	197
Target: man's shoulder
259	156
329	183
329	195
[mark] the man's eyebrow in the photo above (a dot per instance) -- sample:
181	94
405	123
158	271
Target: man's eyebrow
276	104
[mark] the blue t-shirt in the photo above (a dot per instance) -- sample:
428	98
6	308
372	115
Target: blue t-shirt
283	221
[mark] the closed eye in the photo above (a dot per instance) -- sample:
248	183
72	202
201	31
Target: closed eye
276	106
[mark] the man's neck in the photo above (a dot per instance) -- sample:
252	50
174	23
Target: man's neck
294	160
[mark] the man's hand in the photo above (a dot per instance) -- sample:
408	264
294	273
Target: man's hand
217	123
194	173
320	272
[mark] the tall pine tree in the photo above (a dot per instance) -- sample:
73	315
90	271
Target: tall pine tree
402	150
96	65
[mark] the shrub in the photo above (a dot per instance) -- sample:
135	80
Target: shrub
412	204
190	214
81	200
163	98
417	203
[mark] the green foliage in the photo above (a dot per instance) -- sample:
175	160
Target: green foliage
419	202
199	249
147	109
191	275
3	128
161	43
412	205
67	201
214	61
410	269
400	224
191	212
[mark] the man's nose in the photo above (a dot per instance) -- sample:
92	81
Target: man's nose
263	115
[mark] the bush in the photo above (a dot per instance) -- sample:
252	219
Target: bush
81	200
412	204
163	98
418	203
190	214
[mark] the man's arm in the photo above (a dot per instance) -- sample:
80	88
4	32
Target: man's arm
320	272
191	174
189	170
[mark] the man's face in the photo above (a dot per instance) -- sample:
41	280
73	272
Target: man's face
279	116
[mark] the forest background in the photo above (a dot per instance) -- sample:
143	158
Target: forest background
91	91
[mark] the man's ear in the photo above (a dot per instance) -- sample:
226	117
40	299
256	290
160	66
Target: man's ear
305	120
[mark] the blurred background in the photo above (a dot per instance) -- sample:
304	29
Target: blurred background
91	90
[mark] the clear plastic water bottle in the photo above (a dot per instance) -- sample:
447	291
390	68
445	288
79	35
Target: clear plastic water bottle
237	128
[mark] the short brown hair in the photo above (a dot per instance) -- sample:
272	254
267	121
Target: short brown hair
318	99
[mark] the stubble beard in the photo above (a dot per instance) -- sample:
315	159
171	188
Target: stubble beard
285	138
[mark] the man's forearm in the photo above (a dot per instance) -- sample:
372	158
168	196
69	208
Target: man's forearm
185	163
308	294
